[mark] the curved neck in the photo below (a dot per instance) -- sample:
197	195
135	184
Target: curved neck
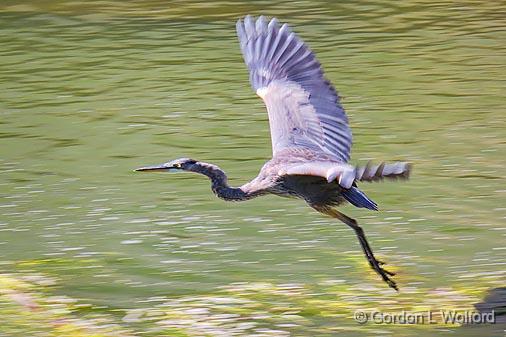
219	183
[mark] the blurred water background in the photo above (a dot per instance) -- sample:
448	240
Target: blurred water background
90	90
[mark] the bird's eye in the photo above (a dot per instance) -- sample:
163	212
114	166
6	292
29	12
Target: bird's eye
177	165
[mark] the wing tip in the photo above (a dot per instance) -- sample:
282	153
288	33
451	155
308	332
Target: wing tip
239	27
261	24
258	25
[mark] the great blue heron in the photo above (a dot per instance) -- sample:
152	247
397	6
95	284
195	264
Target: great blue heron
310	136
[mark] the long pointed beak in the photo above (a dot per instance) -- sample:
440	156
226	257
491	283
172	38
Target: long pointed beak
154	168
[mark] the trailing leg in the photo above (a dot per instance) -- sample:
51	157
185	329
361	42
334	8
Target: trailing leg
373	262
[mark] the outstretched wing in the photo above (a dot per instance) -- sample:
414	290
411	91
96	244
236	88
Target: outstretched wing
303	107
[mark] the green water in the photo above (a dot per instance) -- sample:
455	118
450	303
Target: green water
89	91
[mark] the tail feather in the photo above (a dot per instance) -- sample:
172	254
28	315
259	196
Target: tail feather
372	173
358	199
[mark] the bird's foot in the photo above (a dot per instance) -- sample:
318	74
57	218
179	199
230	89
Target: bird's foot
385	274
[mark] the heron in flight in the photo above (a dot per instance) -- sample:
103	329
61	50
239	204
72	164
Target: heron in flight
310	135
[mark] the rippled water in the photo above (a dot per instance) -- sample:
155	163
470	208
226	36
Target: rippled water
89	91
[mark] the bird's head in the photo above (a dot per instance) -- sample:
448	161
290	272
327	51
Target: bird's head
176	165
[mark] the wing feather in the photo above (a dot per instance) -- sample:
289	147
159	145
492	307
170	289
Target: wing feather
304	108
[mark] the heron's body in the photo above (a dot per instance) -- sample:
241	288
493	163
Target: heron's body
312	189
311	139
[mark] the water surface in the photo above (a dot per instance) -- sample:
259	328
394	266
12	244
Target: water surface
89	91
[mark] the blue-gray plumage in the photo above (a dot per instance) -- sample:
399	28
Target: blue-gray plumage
311	139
